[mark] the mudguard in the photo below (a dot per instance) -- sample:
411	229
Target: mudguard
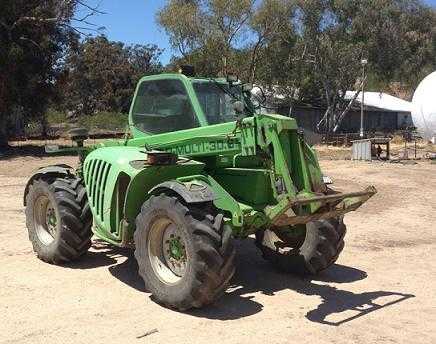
60	170
191	192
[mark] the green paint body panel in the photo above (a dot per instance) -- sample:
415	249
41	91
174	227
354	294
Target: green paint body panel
103	169
259	168
250	186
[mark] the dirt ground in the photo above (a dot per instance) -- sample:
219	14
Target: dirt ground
382	289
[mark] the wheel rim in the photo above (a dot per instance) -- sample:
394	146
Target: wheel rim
293	238
45	219
286	241
167	250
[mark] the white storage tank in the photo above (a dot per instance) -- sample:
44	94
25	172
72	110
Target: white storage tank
424	107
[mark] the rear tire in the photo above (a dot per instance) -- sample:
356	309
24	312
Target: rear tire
58	219
185	253
319	249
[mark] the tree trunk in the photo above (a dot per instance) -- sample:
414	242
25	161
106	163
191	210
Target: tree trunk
342	115
3	113
254	53
3	131
324	119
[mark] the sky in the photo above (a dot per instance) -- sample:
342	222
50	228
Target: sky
134	22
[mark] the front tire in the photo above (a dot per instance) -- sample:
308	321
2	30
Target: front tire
58	219
318	247
185	253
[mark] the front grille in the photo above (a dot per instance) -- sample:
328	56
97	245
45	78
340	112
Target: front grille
96	174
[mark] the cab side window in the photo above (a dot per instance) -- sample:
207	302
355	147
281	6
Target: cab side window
163	106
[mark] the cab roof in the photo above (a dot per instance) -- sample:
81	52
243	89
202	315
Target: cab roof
181	76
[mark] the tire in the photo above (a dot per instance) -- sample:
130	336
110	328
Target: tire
67	236
201	270
319	248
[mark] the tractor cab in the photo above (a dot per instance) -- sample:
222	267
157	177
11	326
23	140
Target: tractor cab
172	102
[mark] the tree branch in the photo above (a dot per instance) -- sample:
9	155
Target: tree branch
342	115
91	8
235	31
254	57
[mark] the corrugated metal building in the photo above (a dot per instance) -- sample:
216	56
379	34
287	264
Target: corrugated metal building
382	112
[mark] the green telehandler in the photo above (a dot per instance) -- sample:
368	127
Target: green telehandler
201	166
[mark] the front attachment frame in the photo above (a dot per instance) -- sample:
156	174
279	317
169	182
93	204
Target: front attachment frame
328	206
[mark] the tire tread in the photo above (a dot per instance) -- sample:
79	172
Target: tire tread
75	220
321	252
214	252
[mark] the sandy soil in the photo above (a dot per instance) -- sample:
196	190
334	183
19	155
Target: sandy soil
382	290
397	151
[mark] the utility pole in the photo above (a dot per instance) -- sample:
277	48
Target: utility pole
363	62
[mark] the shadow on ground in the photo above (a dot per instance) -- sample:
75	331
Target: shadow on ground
103	254
254	275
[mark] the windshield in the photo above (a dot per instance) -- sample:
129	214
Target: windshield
216	102
163	106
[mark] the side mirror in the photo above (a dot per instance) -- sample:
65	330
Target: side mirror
238	106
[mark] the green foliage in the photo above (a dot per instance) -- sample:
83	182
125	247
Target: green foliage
205	32
100	75
100	121
54	117
308	50
33	35
104	121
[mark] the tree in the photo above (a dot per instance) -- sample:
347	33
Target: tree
308	50
331	52
214	34
100	75
396	36
33	37
271	24
401	40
